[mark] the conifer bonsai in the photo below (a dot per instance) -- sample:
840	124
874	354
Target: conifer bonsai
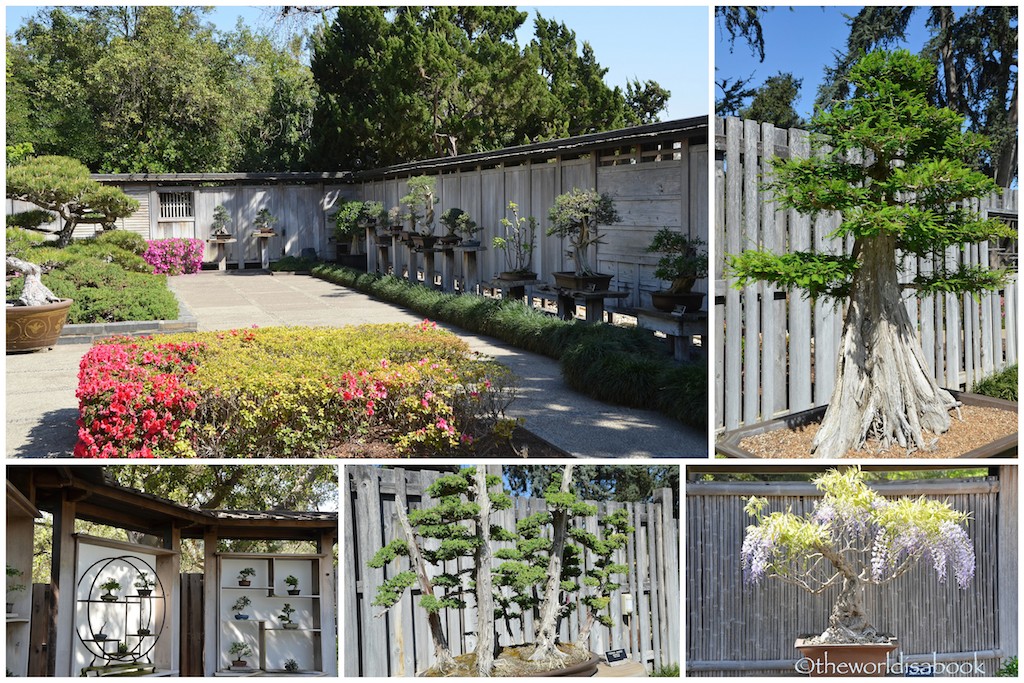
576	216
894	167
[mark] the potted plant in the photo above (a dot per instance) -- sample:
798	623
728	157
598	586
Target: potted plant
350	223
239	651
286	617
13	572
531	577
36	316
851	538
394	220
683	262
293	584
243	576
518	243
291	666
264	223
221	221
419	204
143	585
239	607
459	223
110	586
101	635
576	216
884	391
144	631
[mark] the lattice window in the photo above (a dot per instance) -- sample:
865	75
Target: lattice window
1003	252
176	205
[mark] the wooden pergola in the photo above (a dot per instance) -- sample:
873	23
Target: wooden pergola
72	493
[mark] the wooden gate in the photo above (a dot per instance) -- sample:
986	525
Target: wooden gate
191	625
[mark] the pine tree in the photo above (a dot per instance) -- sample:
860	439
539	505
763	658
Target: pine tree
900	200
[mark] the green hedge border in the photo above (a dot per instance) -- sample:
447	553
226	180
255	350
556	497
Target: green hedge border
616	365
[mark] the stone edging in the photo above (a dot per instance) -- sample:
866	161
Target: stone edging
87	333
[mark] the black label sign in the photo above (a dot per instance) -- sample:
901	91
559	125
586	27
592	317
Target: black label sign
612	656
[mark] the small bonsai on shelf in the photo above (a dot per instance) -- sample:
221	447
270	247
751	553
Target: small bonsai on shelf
143	585
239	607
221	221
291	666
683	262
239	651
13	572
110	586
264	221
101	635
853	537
286	617
244	576
461	227
293	584
518	244
575	216
122	648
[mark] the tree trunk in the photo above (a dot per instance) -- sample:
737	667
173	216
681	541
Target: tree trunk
67	230
547	629
1006	161
484	590
883	387
848	622
443	660
34	293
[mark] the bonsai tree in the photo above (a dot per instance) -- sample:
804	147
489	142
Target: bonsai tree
244	576
291	666
101	634
13	573
459	224
110	586
143	584
265	220
394	217
518	242
419	204
62	185
293	584
683	260
852	537
349	224
599	579
239	651
575	216
286	616
239	607
900	200
221	221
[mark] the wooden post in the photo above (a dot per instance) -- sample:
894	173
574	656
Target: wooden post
372	249
327	601
167	653
1006	600
62	577
428	268
211	602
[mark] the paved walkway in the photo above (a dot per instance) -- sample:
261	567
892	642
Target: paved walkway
41	405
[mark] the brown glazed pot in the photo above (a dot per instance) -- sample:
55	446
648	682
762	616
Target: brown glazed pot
30	328
582	670
667	301
582	283
846	659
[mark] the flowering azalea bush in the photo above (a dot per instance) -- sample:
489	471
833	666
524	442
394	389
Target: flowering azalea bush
175	256
852	537
290	392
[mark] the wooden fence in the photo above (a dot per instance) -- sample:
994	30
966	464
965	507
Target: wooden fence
736	629
398	643
778	350
192	625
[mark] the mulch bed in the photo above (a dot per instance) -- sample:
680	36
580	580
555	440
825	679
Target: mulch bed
978	426
524	444
514	661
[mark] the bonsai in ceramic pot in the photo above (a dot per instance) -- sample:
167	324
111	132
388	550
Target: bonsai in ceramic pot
239	651
293	584
854	537
912	197
576	216
264	223
239	607
221	221
244	576
110	585
291	666
419	204
517	244
461	228
286	617
36	316
682	263
143	585
539	575
351	221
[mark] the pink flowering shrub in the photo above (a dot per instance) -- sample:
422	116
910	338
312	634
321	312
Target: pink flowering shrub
175	256
291	392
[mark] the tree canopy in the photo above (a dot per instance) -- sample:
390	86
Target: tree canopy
631	483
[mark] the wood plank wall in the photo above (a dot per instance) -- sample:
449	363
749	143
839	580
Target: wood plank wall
398	643
777	351
733	628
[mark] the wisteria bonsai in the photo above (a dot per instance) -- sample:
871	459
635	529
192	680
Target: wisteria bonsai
855	537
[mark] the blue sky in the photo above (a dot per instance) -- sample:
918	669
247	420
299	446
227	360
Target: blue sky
802	41
674	53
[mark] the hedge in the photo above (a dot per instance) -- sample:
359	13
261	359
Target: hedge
623	366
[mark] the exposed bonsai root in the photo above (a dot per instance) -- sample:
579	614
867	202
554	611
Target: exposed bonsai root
35	293
883	389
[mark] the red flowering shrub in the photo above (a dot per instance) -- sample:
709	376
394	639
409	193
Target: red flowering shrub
175	256
289	392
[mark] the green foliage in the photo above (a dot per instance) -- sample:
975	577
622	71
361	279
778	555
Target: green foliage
392	589
19	242
634	361
264	221
670	671
125	240
293	264
1002	385
576	216
459	222
391	551
221	221
773	102
29	220
241	603
1008	667
519	241
419	203
17	153
347	220
239	649
683	259
815	273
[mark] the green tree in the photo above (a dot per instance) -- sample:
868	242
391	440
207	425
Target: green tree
976	54
902	199
742	22
622	483
773	102
63	185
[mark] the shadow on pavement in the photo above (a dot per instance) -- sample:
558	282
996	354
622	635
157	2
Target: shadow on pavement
53	437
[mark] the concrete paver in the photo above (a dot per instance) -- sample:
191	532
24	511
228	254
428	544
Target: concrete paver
41	408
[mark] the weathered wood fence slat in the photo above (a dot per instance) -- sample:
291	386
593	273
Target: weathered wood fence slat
397	643
777	350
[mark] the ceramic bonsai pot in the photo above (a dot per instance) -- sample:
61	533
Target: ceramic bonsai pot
517	276
293	591
424	241
845	659
241	617
582	283
582	670
469	243
238	663
291	626
30	328
144	592
667	301
728	443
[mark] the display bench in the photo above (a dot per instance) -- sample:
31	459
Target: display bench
122	615
21	515
277	615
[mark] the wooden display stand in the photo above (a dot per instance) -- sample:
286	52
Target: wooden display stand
264	245
21	516
680	330
593	301
222	252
